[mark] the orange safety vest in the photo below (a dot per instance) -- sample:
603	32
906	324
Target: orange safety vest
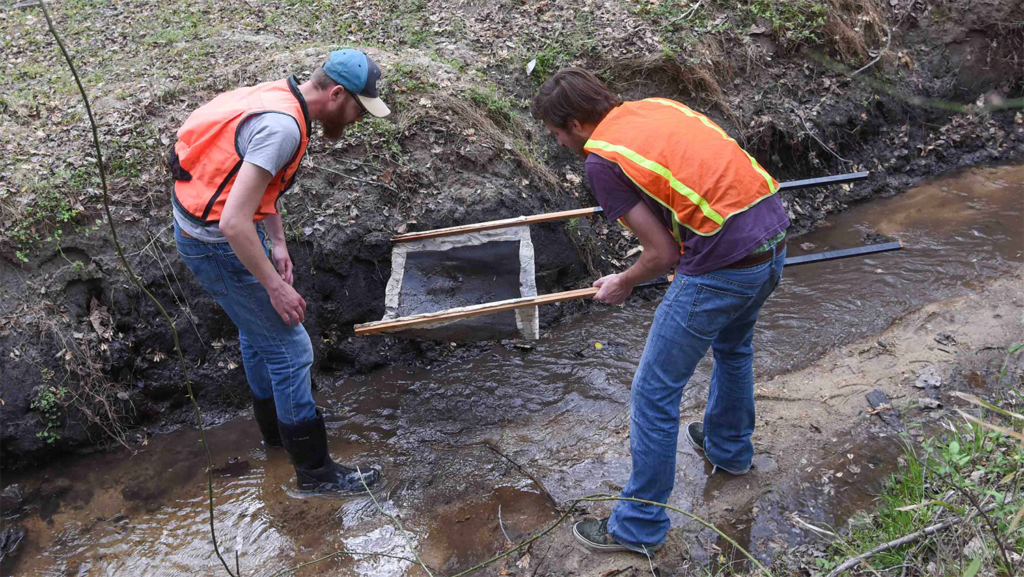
684	161
205	159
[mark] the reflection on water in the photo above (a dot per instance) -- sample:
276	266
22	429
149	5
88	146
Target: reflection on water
561	407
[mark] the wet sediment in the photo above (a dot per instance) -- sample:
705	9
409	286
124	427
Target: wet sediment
560	411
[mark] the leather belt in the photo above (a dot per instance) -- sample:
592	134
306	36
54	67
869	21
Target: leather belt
187	235
759	258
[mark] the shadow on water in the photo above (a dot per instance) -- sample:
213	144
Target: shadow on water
561	408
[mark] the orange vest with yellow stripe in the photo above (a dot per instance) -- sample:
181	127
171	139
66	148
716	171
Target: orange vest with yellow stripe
206	160
684	161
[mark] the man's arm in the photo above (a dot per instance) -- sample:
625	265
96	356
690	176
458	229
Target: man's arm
660	254
237	225
282	260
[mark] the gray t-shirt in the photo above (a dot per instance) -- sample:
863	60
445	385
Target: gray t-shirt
269	141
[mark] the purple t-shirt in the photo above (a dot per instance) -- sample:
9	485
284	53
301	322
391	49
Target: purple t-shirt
739	236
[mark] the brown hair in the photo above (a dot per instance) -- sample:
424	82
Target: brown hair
573	93
321	80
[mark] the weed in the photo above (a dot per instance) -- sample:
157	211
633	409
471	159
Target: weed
500	108
48	402
799	21
52	211
971	467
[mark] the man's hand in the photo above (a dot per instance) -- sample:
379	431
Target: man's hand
615	288
283	263
288	303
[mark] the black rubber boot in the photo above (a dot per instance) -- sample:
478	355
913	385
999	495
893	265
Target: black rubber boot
266	417
315	471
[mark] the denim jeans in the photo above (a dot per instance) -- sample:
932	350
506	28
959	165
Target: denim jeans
277	357
716	310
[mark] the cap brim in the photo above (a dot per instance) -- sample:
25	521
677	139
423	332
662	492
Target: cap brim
374	106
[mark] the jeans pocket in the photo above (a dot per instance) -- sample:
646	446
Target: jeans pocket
207	272
713	309
238	272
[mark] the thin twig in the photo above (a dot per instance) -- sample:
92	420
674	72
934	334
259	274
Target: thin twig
813	528
361	180
888	43
523	471
815	137
984	513
135	279
398	523
502	525
686	15
853	561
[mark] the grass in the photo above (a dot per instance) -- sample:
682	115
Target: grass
49	210
967	466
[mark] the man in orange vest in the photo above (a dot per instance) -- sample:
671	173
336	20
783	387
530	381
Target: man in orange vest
234	157
700	204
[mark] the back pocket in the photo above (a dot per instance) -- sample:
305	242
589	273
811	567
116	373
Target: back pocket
713	309
207	272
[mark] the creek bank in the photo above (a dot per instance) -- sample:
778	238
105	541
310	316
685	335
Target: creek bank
821	456
951	301
89	359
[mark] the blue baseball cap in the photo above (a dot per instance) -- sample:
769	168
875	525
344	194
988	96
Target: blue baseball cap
359	74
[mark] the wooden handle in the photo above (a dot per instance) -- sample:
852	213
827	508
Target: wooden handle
493	224
472	311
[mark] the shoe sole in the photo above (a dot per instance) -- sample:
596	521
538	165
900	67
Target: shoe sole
597	547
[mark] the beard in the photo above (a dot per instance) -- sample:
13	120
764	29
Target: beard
333	128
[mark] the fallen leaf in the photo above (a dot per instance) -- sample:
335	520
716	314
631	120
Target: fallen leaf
530	66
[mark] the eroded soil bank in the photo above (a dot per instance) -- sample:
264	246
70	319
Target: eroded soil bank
951	302
86	358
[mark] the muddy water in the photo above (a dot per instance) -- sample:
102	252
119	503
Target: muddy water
446	437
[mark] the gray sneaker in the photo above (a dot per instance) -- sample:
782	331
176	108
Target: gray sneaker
695	437
593	534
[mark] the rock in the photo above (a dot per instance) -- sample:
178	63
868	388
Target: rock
882	406
11	500
975	548
10	538
945	339
928	403
928	377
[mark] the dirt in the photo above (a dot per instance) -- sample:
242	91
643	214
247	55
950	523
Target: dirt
460	148
459	439
821	456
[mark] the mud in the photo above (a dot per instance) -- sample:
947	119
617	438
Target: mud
831	333
460	148
462	276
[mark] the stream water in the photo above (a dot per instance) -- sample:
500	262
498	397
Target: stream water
559	409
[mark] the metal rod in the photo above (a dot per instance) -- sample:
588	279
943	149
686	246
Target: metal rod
824	180
843	253
562	215
812	258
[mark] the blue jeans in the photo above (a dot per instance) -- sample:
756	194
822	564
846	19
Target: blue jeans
716	310
276	357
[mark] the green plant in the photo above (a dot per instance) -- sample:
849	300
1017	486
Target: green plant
48	402
500	108
53	212
969	471
793	21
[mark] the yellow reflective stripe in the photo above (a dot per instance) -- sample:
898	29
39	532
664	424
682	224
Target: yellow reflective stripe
672	211
707	122
663	172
